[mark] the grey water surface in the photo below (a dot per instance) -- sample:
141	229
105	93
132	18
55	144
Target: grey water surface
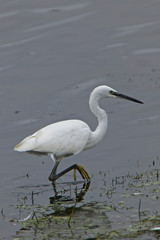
52	55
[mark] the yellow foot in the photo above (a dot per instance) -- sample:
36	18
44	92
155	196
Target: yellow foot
82	171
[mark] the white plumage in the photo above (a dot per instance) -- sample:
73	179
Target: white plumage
61	138
70	137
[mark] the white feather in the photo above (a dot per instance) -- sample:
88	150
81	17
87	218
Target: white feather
62	138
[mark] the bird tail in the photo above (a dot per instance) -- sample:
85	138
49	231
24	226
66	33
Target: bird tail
26	145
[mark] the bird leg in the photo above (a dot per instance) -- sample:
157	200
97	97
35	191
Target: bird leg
53	176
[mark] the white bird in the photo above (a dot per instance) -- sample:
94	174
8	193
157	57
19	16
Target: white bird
70	137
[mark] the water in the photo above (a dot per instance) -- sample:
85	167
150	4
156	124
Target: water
52	55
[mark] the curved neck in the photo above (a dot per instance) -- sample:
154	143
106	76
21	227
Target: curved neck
99	133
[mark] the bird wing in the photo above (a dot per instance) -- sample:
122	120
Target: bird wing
62	138
26	144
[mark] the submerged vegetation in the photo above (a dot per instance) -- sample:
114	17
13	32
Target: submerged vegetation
124	208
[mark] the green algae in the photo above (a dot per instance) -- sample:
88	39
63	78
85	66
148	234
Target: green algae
127	209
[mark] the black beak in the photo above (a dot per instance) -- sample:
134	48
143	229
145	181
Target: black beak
126	97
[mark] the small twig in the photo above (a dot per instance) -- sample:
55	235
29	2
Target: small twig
32	198
34	215
27	175
25	219
45	216
2	213
139	209
157	175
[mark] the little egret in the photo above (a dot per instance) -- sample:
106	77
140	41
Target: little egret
70	137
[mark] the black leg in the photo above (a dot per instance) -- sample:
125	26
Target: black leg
53	176
53	173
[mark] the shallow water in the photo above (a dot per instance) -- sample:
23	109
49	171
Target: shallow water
55	52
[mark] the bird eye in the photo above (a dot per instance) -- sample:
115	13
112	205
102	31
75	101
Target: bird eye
111	92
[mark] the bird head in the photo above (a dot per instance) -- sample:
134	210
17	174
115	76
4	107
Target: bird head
105	91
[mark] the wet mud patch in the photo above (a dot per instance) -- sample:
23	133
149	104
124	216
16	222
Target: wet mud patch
121	208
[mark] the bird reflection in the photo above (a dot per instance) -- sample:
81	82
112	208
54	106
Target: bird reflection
61	196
